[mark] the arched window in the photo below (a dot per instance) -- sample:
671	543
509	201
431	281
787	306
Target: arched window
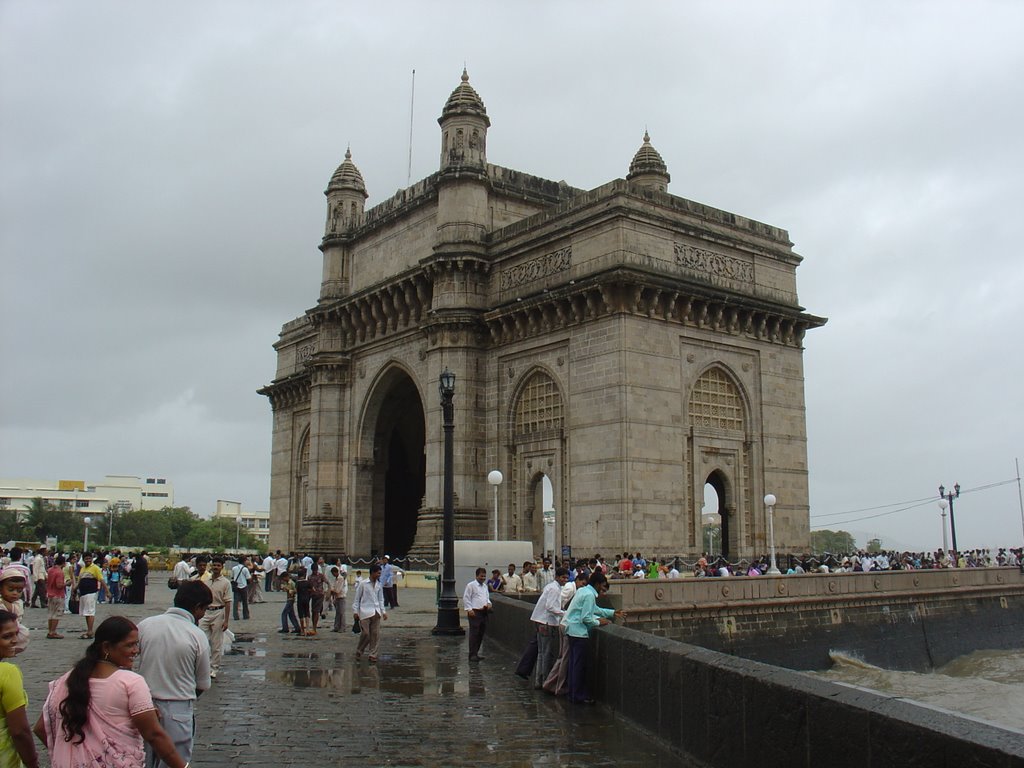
715	402
538	411
302	479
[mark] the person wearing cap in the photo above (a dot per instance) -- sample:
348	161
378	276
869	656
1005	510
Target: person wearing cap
12	590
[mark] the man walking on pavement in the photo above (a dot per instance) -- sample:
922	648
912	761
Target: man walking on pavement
339	591
240	576
215	621
477	600
174	658
269	566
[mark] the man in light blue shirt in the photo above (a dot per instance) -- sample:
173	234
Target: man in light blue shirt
582	615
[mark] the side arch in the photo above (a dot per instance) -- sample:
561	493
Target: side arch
720	453
537	437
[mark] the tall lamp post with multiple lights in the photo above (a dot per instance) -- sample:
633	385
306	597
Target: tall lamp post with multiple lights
947	498
448	604
494	477
85	546
769	502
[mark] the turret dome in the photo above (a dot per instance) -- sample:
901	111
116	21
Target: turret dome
347	177
647	160
464	100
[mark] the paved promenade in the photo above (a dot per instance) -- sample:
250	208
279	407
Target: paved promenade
284	700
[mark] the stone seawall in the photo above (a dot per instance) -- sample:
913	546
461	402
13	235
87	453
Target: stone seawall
908	620
729	711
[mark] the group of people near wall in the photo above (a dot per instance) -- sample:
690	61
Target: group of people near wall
862	561
565	614
101	712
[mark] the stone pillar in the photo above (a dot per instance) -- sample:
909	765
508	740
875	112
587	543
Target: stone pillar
323	529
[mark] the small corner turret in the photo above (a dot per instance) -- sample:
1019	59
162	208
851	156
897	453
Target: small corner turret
464	125
346	196
648	169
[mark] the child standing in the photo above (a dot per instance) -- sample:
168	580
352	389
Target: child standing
288	614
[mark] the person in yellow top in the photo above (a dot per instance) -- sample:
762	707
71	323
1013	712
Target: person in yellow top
17	748
90	583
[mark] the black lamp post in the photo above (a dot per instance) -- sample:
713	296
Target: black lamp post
954	494
448	604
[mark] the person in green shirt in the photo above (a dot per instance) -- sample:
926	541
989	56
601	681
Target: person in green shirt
17	749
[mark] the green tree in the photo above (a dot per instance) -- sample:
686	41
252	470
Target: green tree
44	519
181	520
10	525
837	542
143	528
874	546
218	535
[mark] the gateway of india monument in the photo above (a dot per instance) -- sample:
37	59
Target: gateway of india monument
627	344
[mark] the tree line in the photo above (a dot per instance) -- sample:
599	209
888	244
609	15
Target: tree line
152	529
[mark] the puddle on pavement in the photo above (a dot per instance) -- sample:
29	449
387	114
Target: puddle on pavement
405	679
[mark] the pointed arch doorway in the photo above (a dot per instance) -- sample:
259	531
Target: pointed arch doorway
394	428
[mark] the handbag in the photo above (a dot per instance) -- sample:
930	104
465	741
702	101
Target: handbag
528	660
73	604
356	629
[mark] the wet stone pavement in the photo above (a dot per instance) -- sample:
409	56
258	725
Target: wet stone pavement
286	700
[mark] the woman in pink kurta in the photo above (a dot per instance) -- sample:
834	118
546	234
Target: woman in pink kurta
101	713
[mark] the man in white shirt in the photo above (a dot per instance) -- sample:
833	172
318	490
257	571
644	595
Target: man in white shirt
477	602
513	583
546	616
39	577
240	576
174	658
269	566
182	570
529	578
368	608
282	566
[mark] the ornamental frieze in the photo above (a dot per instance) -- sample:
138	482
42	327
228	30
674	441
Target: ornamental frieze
537	269
711	262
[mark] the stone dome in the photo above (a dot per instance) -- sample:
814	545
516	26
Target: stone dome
347	177
465	101
647	161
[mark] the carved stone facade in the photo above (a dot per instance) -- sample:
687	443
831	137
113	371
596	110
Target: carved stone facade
627	344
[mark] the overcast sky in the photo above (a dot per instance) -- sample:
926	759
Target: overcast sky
163	168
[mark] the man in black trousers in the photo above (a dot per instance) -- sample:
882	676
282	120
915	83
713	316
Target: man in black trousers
477	600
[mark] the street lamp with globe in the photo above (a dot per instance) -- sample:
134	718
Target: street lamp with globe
494	477
769	501
87	520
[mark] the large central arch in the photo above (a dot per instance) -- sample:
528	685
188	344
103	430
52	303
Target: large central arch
393	438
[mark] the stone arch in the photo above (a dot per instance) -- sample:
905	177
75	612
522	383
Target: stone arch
719	419
300	486
391	463
537	449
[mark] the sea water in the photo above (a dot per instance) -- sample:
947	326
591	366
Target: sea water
985	684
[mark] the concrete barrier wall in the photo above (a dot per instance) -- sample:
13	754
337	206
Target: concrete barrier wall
729	711
910	620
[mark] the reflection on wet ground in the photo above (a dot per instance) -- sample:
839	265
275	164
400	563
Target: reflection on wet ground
309	701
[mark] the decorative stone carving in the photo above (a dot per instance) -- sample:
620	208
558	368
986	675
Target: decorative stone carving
305	352
536	269
717	264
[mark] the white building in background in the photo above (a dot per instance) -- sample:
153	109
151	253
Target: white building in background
124	492
256	524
